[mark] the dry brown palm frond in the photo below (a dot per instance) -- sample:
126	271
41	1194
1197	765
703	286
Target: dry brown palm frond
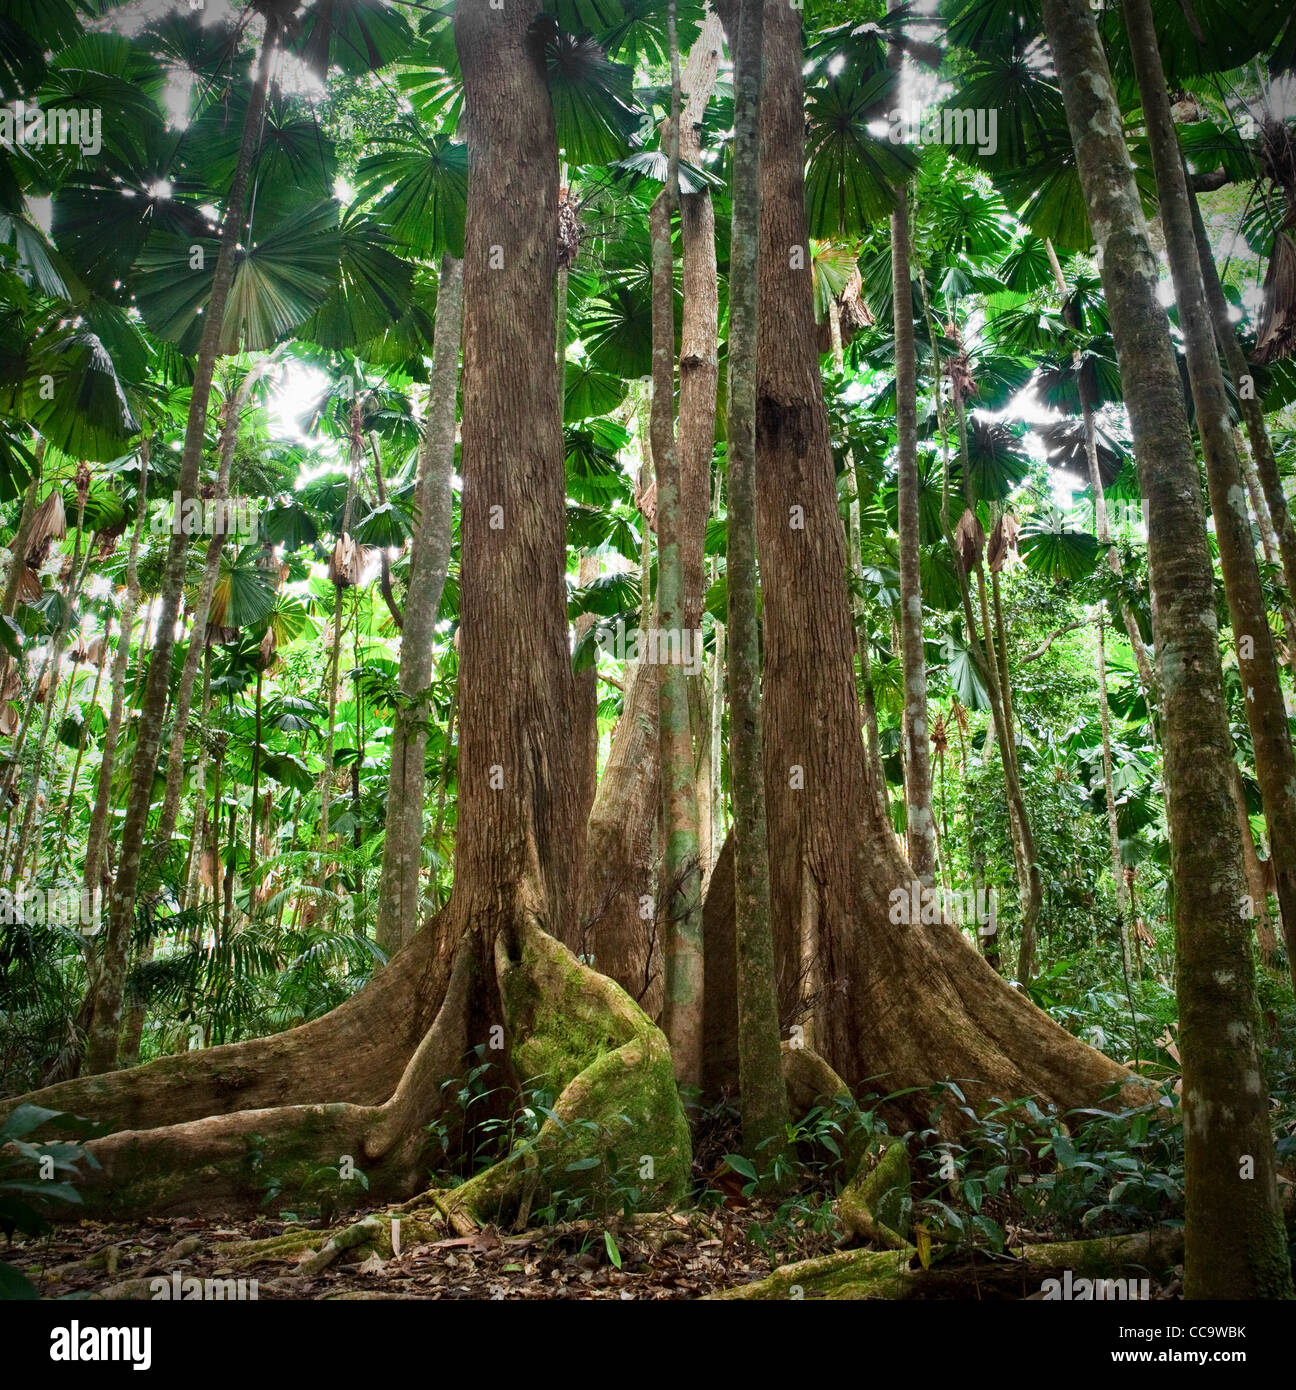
1186	109
963	384
646	501
969	541
48	523
958	713
1276	330
346	563
8	720
106	539
1003	543
1277	152
569	228
939	738
29	586
855	313
266	651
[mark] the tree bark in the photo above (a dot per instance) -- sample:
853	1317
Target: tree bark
101	1054
121	659
1119	888
622	824
183	701
1234	1240
920	826
760	1075
486	979
1266	708
680	893
899	1005
398	893
1249	403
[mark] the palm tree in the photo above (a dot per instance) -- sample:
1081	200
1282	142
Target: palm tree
1230	1225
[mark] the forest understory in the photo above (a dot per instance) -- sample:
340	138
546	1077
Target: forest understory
647	650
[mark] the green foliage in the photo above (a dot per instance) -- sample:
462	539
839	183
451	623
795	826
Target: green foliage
1018	1170
37	1180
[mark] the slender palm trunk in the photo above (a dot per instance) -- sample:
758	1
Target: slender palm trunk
65	816
1249	402
121	660
398	894
680	894
854	542
1119	887
34	799
1030	886
1266	708
183	701
190	889
1088	412
1257	879
256	787
101	1053
355	452
921	830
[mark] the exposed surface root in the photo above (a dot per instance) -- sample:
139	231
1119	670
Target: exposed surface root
356	1053
617	1117
617	1123
874	1206
895	1274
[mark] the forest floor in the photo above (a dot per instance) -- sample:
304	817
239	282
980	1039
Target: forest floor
682	1255
676	1255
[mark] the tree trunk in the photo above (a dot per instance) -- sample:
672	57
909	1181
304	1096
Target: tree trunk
699	369
1266	708
1088	410
1119	887
29	829
587	700
101	1054
699	374
1257	879
920	831
82	738
207	587
486	979
680	892
616	929
760	1074
355	451
899	1005
1248	402
398	893
1234	1243
121	659
189	890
